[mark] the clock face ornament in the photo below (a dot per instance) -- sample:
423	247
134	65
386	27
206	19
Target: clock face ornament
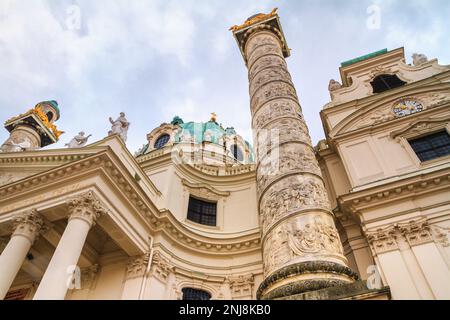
406	107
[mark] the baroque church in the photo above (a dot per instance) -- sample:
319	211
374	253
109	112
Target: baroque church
199	213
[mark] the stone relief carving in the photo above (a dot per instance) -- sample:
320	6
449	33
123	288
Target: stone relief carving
88	276
242	286
276	109
419	58
315	237
137	266
291	158
441	235
417	232
270	91
161	268
265	62
267	76
291	195
264	51
261	40
376	117
301	237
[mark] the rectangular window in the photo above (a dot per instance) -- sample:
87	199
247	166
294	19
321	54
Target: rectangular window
432	146
202	212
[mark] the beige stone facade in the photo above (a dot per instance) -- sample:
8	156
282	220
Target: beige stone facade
291	221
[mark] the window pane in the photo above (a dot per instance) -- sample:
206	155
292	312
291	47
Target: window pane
162	141
432	146
195	294
202	212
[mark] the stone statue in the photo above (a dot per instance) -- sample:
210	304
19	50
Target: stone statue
334	85
120	126
78	141
419	58
11	146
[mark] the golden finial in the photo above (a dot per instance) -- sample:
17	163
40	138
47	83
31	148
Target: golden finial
213	117
254	19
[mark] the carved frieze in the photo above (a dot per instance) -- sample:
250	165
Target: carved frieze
274	110
273	61
289	159
267	76
266	39
262	51
271	91
299	238
291	195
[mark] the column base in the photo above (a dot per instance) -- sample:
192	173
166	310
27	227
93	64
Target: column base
304	277
353	291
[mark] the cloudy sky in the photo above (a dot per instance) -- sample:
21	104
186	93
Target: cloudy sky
155	59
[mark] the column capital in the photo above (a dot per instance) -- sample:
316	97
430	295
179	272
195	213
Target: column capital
86	207
260	22
28	225
137	266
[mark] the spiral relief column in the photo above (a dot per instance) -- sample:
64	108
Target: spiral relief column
301	246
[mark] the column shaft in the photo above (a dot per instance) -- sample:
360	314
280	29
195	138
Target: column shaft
26	227
57	277
301	246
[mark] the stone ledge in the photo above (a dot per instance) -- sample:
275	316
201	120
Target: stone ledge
354	291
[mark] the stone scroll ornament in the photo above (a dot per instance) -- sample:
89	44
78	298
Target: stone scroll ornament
302	250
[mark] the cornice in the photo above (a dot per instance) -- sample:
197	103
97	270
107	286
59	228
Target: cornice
107	163
395	191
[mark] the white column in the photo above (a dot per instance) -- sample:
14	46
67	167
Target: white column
26	228
83	212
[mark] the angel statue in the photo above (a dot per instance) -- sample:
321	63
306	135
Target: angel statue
78	141
120	126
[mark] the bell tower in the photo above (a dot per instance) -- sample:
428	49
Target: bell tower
33	129
302	250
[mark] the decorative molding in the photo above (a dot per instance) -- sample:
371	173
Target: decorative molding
391	238
137	266
158	220
28	225
205	191
86	207
441	235
420	126
88	276
242	286
161	268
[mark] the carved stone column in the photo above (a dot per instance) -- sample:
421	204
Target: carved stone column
26	228
84	210
301	246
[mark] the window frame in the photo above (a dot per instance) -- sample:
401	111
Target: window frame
197	290
202	214
386	84
158	139
423	136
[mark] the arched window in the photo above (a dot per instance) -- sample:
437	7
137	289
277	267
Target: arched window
237	153
162	141
195	294
386	82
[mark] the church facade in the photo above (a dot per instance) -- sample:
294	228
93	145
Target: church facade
200	213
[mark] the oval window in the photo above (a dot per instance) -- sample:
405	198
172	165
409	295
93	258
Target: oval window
162	141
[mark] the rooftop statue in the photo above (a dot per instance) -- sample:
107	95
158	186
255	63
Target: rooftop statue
78	141
11	146
334	85
120	126
419	58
